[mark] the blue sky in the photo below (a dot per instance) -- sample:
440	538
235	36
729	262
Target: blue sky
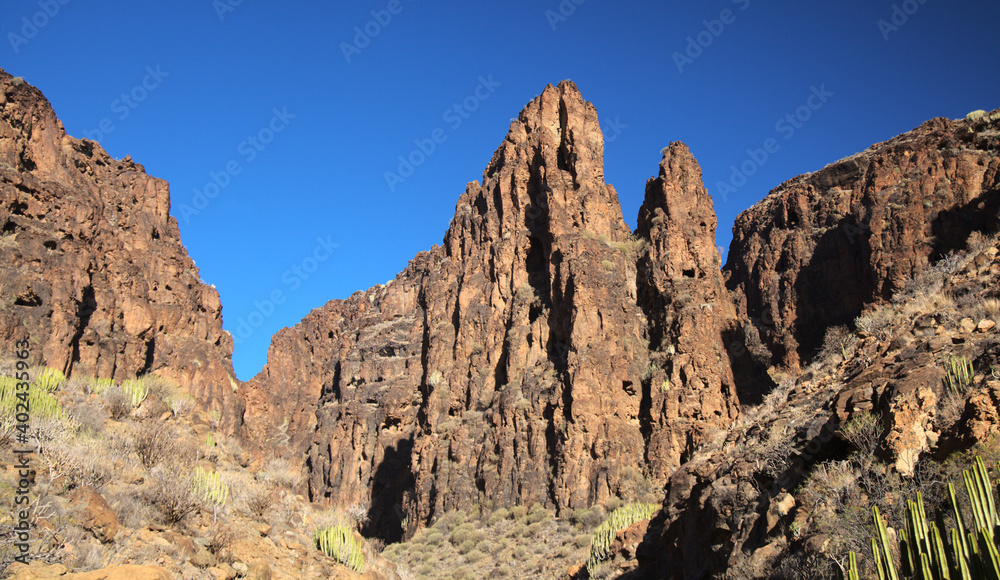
290	119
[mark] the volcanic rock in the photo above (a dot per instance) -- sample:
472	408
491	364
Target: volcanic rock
543	353
92	270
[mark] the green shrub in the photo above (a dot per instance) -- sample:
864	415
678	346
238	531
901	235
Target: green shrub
339	543
517	512
538	513
497	516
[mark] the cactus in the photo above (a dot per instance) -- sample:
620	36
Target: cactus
969	554
339	543
136	391
958	374
98	385
49	380
41	404
210	487
620	519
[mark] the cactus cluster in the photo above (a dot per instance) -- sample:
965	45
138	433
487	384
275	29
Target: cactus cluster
210	487
958	374
98	385
339	543
41	403
49	380
136	391
620	519
967	553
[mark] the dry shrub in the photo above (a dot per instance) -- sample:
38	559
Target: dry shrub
220	541
89	416
877	323
280	473
153	442
81	462
116	402
172	492
134	509
839	344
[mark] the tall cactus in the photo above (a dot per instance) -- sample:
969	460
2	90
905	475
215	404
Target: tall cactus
924	553
338	542
620	519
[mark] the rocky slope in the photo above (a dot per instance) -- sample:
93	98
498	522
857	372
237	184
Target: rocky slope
778	496
92	270
542	354
821	246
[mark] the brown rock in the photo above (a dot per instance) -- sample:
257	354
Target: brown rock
967	325
93	513
821	246
97	274
259	570
543	353
986	325
128	572
203	559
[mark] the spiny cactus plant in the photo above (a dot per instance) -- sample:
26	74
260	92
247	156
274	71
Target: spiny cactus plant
97	385
41	404
210	487
136	390
620	519
924	553
339	543
49	380
959	374
212	490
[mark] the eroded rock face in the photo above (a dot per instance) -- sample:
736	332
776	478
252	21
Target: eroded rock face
821	246
92	270
543	353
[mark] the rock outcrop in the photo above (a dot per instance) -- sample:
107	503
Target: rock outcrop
543	353
821	246
92	270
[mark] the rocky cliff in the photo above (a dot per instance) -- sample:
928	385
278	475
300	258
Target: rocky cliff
92	270
821	246
543	353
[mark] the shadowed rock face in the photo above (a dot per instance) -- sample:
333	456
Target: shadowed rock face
821	246
92	270
541	354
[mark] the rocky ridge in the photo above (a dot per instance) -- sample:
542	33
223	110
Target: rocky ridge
92	269
821	246
543	353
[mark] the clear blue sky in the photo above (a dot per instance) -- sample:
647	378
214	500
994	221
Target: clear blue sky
215	74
